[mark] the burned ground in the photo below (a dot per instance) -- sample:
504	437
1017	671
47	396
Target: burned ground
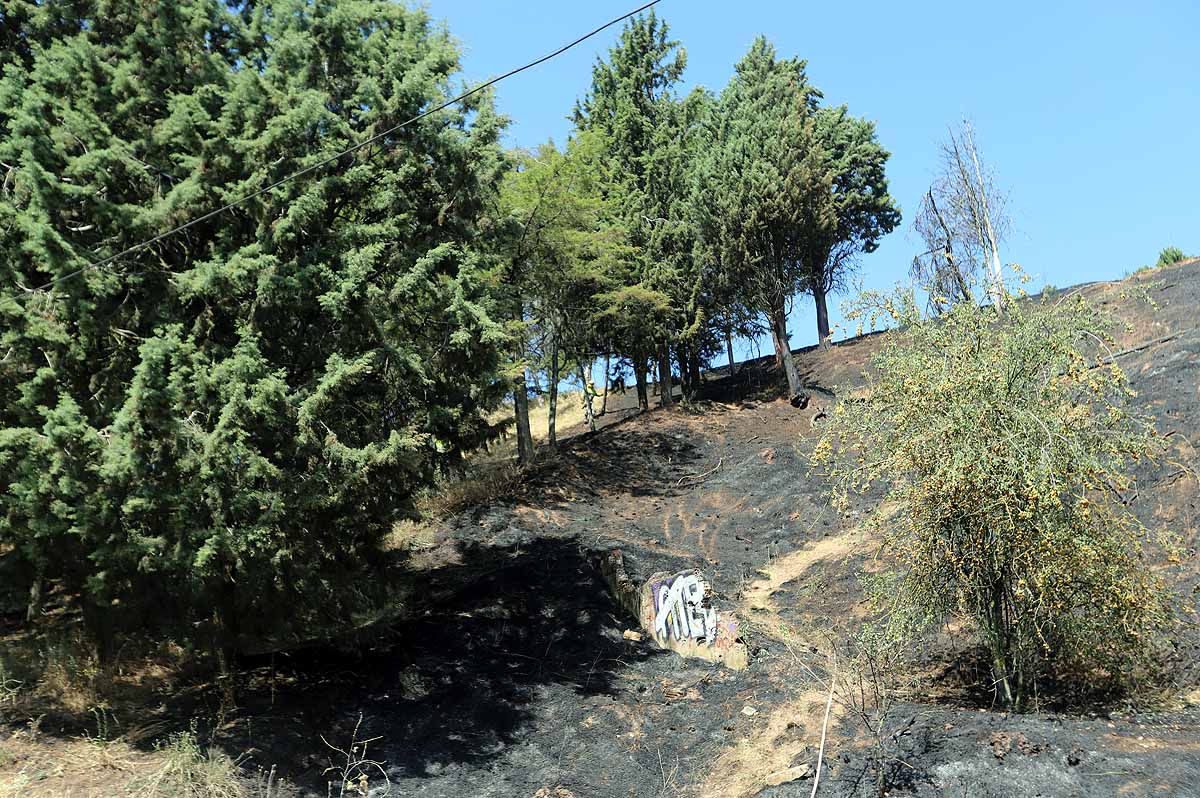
508	672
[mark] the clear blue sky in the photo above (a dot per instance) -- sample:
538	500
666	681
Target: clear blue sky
1089	112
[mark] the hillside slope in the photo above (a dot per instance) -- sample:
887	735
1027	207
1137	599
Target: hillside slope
529	688
512	673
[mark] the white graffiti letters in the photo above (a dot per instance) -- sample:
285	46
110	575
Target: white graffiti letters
682	610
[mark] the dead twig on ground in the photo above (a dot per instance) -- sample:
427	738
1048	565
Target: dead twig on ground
824	731
697	480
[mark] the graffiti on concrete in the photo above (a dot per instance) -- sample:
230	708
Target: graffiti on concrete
682	609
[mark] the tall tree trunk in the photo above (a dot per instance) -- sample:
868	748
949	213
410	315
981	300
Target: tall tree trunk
951	266
98	621
729	350
588	393
521	407
818	293
34	608
779	350
997	276
551	436
664	376
604	399
639	373
783	351
685	372
227	624
1002	653
694	366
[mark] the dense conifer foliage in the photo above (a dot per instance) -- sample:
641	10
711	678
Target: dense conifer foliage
234	415
219	428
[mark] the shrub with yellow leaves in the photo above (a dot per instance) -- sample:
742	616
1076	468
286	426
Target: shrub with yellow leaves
1006	440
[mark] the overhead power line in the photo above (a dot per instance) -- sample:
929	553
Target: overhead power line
355	148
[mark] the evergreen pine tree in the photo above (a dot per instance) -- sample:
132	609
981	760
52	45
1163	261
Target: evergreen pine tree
235	415
633	103
765	186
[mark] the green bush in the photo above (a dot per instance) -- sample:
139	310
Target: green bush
1005	444
1170	255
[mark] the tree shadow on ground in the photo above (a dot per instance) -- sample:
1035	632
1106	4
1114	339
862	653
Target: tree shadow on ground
489	645
758	378
512	631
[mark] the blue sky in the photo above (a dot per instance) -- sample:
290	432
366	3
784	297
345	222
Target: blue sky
1088	112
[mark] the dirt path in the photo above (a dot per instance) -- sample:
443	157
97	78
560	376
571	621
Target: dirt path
778	751
793	566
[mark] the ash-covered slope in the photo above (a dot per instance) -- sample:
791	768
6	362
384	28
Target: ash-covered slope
513	676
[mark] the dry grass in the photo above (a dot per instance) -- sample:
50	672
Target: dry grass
76	684
53	673
32	763
483	485
55	667
186	770
779	746
492	472
10	688
409	535
770	747
790	567
569	414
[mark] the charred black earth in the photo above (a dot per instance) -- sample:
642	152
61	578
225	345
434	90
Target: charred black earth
512	674
510	671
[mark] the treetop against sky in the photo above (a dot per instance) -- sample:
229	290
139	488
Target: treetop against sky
1086	110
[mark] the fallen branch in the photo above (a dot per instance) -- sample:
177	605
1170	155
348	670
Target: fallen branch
1173	477
1131	350
824	729
702	477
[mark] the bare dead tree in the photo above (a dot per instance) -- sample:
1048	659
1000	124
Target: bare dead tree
962	221
938	268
